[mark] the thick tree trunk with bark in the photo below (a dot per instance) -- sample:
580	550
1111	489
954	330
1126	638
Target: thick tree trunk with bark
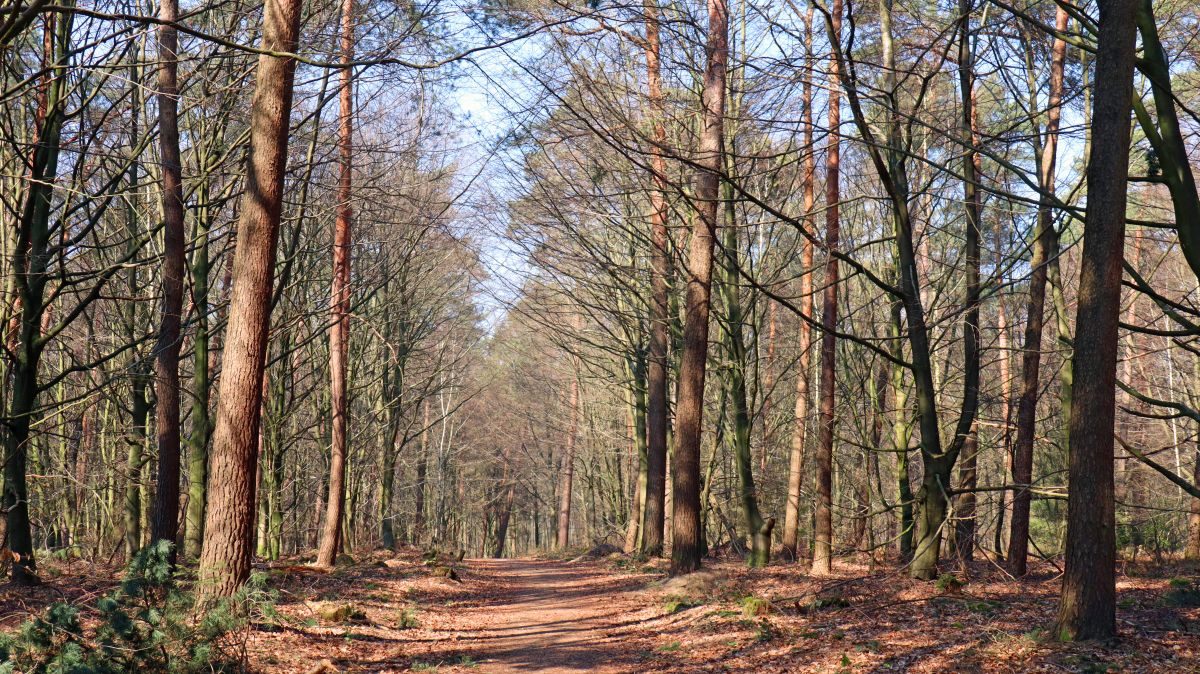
229	521
687	536
1087	609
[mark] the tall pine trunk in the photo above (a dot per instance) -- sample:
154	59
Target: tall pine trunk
165	525
687	536
1087	608
657	411
791	520
822	562
229	521
339	331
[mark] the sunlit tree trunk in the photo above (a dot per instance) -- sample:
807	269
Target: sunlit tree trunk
1006	406
229	521
339	330
791	521
165	524
422	469
654	508
1044	246
686	533
822	562
636	401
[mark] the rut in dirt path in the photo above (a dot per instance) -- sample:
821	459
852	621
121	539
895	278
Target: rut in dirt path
554	617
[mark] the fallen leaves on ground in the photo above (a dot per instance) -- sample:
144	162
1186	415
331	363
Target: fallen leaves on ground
392	613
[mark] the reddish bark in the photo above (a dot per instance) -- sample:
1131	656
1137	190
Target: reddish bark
165	525
339	330
229	521
687	535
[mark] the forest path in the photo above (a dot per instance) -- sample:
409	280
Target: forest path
548	616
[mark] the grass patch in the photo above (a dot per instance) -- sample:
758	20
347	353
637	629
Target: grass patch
676	604
407	619
1182	593
753	607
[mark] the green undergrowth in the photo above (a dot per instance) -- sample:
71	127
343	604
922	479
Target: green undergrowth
148	624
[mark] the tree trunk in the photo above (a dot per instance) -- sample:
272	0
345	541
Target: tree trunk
686	534
30	262
135	461
1087	609
1006	407
504	508
139	406
654	508
822	562
1044	246
229	521
387	532
966	502
791	520
165	524
201	426
419	488
339	331
636	395
1192	551
565	486
758	529
965	505
902	437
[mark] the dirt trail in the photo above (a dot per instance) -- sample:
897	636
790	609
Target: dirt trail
552	617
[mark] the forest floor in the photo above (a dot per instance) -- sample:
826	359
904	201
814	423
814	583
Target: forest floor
388	613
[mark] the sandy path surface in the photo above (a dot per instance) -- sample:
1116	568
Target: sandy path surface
552	617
